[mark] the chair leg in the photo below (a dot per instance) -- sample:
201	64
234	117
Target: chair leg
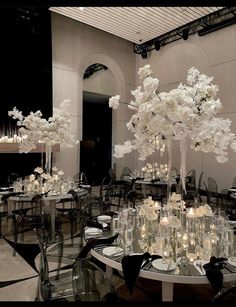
14	233
61	248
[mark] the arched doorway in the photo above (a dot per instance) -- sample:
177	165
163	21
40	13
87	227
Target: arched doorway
96	145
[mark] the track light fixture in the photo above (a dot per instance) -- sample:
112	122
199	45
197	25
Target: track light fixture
204	25
185	33
157	44
144	55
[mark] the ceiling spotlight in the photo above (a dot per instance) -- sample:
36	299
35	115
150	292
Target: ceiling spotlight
144	55
157	44
185	33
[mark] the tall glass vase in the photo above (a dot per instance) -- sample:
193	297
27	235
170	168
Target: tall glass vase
169	175
48	157
183	157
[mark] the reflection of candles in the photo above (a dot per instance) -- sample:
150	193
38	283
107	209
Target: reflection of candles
156	205
143	231
212	227
185	240
191	259
164	220
165	254
36	183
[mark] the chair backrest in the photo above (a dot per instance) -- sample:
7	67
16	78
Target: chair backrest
192	197
212	186
200	180
80	177
191	180
112	174
226	295
88	282
126	173
132	197
44	284
234	182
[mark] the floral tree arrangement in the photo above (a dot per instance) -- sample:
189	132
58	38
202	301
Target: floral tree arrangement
34	129
186	112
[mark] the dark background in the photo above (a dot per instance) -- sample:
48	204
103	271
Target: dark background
95	149
26	83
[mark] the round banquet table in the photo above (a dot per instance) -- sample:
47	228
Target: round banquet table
168	279
49	201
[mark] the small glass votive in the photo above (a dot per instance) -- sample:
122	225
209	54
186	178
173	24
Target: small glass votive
115	225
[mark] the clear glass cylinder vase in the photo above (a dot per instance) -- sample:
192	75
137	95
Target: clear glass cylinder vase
48	157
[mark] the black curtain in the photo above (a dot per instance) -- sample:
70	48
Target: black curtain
95	149
26	69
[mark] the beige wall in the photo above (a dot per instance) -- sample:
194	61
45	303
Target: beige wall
76	46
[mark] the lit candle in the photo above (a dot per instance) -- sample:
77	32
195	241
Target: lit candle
191	259
143	231
185	241
212	227
191	213
156	205
164	221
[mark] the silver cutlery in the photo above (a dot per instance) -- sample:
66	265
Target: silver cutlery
199	265
147	266
227	267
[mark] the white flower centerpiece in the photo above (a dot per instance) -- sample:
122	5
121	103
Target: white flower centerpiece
43	182
34	129
186	112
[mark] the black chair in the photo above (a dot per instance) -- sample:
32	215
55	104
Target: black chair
191	180
4	212
133	197
83	281
25	214
126	173
70	209
225	295
116	192
213	198
192	198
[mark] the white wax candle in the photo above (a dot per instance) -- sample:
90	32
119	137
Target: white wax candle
164	221
191	213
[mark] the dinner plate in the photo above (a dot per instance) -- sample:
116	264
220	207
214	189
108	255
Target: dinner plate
103	218
232	261
162	266
93	231
112	251
53	194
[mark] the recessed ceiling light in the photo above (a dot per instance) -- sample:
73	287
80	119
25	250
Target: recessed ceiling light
81	8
